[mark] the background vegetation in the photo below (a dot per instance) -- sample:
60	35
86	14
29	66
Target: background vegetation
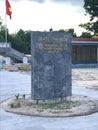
21	40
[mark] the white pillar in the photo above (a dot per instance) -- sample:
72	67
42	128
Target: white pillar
25	60
8	61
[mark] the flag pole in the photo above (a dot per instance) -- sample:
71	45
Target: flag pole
5	25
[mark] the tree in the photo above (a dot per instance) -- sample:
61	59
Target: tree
2	31
86	35
21	41
71	30
91	8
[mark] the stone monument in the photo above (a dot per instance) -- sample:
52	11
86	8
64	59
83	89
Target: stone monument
51	65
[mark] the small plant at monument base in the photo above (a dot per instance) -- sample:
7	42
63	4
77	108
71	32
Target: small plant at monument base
17	96
24	96
53	106
18	105
15	105
12	105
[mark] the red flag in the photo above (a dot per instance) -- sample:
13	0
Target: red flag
8	9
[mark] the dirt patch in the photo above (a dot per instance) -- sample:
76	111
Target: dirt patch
87	78
73	106
17	67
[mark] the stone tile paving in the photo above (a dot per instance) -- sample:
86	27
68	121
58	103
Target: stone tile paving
12	83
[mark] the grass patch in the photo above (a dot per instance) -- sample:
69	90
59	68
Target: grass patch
53	106
15	105
60	106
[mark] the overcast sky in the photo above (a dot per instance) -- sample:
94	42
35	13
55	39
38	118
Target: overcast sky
40	15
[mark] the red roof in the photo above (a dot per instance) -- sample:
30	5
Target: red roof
85	39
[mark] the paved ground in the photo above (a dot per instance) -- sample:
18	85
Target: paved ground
87	78
12	83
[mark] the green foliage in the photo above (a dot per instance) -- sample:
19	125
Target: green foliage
21	41
37	101
61	30
91	8
2	31
71	30
95	27
15	105
12	105
54	106
24	96
86	35
18	104
17	97
86	26
0	23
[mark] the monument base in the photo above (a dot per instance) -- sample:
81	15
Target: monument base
76	105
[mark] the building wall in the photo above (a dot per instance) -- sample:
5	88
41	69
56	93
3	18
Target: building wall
84	53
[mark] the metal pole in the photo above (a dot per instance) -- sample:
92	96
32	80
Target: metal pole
5	25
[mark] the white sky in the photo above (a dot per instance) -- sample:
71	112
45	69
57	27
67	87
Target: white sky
36	16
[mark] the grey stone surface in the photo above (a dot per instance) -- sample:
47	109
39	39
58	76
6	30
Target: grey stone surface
51	65
12	83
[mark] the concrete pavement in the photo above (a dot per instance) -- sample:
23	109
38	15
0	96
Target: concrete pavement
12	83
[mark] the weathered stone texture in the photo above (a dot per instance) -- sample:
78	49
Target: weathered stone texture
51	65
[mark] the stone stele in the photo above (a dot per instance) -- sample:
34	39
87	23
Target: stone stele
51	65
